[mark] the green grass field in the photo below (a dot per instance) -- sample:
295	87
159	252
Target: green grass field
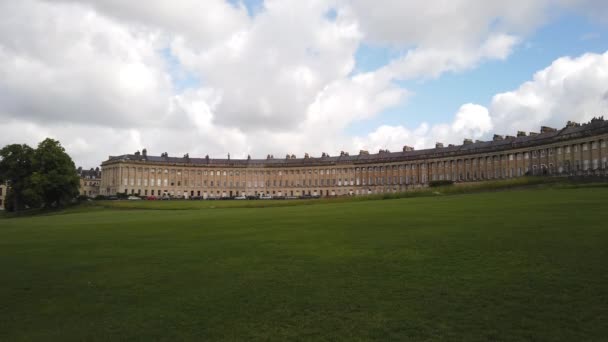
528	265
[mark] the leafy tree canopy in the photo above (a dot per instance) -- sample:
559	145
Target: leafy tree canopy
42	176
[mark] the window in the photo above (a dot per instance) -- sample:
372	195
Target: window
594	145
585	147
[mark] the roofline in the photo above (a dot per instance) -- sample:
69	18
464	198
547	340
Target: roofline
595	127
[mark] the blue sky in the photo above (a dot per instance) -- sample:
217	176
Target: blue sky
206	77
436	100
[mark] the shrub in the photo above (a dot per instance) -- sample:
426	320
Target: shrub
82	198
436	183
122	195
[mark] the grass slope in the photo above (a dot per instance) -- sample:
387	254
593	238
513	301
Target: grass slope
520	265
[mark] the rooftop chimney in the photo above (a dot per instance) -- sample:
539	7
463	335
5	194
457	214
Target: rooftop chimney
438	145
572	124
467	141
407	148
532	134
363	152
545	129
521	134
498	137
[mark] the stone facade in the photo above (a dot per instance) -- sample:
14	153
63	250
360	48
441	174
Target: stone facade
3	190
90	181
574	150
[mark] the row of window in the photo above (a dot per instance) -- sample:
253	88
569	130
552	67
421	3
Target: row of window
132	171
219	193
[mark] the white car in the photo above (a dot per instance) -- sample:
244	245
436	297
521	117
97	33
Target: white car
240	198
134	198
266	197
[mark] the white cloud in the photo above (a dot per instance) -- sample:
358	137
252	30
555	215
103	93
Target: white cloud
65	63
573	89
569	89
93	73
472	121
449	24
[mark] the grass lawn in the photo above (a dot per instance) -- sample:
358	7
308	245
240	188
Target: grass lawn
507	266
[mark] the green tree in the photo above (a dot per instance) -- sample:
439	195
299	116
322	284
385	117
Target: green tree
54	178
16	168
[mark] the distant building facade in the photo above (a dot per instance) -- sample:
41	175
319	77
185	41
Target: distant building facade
90	181
573	150
3	190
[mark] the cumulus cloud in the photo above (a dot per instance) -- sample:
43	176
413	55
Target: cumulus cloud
569	89
451	24
65	63
101	75
472	121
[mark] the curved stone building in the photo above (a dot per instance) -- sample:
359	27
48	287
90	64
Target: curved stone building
573	150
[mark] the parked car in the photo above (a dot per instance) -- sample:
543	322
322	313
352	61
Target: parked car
265	197
134	198
242	197
151	198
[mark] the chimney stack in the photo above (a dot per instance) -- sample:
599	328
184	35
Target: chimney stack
546	129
